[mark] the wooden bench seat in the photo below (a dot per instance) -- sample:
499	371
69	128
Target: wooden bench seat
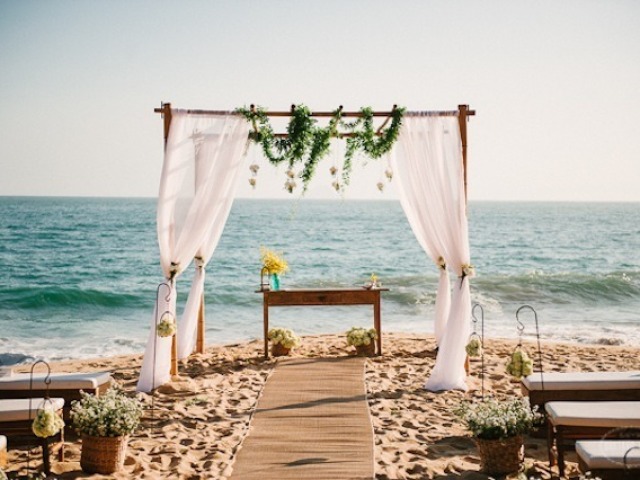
585	420
606	458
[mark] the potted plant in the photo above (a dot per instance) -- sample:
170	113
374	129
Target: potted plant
105	422
282	341
363	339
498	427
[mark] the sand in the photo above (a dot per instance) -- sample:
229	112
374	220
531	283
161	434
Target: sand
199	420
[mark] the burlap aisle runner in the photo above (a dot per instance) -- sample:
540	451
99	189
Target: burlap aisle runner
312	422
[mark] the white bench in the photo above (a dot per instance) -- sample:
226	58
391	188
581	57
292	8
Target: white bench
63	385
584	420
608	459
16	418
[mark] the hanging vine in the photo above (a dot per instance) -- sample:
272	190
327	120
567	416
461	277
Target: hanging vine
307	143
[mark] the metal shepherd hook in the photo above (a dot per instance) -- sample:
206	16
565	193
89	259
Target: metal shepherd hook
520	327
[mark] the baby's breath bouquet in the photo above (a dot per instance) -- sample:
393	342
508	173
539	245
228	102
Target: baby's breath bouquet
492	419
520	364
112	414
284	337
273	262
358	336
167	325
47	423
474	347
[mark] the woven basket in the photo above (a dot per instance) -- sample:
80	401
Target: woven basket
498	457
366	350
277	350
103	454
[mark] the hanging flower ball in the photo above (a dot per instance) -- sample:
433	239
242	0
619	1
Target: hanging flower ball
333	171
389	173
254	167
47	423
290	173
290	184
520	364
474	347
167	325
380	186
252	182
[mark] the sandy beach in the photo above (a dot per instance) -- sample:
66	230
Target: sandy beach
198	422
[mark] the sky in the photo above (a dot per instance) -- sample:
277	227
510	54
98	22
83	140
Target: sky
555	86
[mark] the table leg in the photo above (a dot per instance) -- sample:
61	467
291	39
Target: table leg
377	322
265	308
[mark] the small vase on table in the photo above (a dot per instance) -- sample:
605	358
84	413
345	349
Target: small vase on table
275	281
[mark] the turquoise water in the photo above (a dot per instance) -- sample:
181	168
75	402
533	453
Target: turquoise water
79	274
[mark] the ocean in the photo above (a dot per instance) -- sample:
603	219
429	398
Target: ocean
79	275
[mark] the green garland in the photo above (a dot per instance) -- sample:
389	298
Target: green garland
307	143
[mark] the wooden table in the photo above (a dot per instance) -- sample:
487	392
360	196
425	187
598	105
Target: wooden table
321	297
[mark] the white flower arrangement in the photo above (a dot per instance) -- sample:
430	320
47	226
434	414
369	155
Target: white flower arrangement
520	364
166	326
474	347
492	419
284	337
47	423
468	270
358	336
112	414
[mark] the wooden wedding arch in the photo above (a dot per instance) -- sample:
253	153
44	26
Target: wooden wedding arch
463	113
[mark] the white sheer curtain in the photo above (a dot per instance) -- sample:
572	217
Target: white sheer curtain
428	166
200	167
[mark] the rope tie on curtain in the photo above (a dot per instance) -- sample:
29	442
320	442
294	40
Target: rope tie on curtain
173	271
199	261
442	265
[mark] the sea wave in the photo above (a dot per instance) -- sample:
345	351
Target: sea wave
45	297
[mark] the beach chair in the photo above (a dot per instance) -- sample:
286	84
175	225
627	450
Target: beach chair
585	420
581	386
63	385
16	418
609	459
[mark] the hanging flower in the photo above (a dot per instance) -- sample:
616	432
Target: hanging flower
520	364
474	347
336	185
166	326
290	184
441	263
380	186
389	173
333	171
47	423
252	182
290	173
254	167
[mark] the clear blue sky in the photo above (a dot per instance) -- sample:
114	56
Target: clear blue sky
556	86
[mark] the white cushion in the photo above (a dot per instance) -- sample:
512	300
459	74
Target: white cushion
59	381
594	414
609	453
17	410
584	381
3	442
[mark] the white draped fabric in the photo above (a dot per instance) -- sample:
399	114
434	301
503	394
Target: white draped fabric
201	165
428	166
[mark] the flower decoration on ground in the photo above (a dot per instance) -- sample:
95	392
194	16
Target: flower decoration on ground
474	347
284	337
357	336
492	419
519	364
47	422
112	414
166	326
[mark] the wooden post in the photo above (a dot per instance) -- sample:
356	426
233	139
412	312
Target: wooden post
166	115
174	356
462	119
200	341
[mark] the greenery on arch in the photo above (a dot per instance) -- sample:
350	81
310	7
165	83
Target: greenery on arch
306	143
